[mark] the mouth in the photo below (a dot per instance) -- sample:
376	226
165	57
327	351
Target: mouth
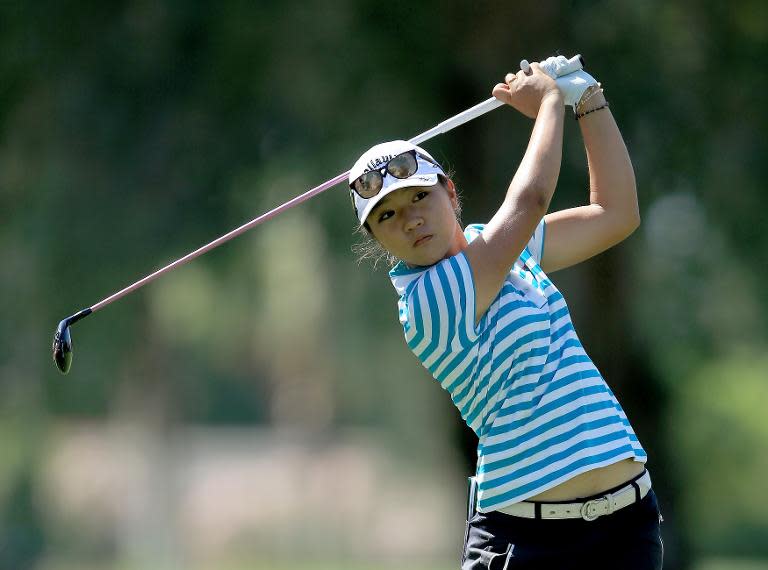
422	240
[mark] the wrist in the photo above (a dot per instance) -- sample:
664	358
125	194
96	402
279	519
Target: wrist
553	95
592	99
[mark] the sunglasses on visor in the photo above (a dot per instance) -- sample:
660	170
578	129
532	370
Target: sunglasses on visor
402	166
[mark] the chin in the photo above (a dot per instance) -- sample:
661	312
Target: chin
426	258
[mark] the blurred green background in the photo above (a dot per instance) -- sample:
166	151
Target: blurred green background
258	408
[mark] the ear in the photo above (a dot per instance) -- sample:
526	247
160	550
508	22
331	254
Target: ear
450	187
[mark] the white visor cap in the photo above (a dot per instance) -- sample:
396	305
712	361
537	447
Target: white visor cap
376	157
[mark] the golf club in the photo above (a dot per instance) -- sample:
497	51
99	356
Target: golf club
62	338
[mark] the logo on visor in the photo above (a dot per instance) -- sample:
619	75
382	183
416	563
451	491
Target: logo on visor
375	163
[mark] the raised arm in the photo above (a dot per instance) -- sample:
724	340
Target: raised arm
576	234
492	254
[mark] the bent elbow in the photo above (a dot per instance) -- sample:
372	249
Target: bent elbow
627	225
633	222
621	224
629	218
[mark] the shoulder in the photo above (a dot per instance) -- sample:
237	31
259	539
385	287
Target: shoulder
437	297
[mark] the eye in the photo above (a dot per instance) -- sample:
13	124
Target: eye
420	196
386	215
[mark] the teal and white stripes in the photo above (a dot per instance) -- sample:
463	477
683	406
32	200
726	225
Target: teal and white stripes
520	378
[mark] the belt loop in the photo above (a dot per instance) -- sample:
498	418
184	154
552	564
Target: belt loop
537	510
609	498
471	499
637	491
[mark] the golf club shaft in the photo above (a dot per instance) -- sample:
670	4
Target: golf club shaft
220	240
463	117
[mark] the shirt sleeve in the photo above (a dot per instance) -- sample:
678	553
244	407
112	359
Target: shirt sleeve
439	310
536	243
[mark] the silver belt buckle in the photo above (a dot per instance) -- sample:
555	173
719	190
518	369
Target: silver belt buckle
589	509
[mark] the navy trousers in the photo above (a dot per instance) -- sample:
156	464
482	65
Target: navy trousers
628	539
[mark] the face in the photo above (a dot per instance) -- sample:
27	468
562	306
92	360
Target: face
418	224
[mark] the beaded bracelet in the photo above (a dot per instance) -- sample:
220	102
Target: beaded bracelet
581	115
588	94
591	91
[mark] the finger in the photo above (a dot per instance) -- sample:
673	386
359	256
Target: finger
525	67
548	66
502	92
509	77
570	65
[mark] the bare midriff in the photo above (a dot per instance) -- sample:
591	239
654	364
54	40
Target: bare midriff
592	482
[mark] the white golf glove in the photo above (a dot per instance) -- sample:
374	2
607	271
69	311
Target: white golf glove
558	65
569	76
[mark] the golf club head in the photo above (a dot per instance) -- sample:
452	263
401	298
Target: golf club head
62	347
62	340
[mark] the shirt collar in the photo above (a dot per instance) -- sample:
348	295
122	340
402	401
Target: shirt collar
402	276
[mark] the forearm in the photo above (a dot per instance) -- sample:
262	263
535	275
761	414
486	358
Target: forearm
536	177
611	177
492	254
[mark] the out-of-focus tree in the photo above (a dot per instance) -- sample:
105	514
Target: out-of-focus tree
132	132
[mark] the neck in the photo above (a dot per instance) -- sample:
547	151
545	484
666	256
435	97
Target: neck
459	242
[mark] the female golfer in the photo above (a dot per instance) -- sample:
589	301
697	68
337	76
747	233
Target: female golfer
560	481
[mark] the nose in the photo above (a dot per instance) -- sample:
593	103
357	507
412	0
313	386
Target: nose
413	221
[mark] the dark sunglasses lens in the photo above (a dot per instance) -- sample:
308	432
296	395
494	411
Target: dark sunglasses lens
403	165
368	184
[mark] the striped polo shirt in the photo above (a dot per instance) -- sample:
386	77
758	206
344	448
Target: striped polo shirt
520	378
